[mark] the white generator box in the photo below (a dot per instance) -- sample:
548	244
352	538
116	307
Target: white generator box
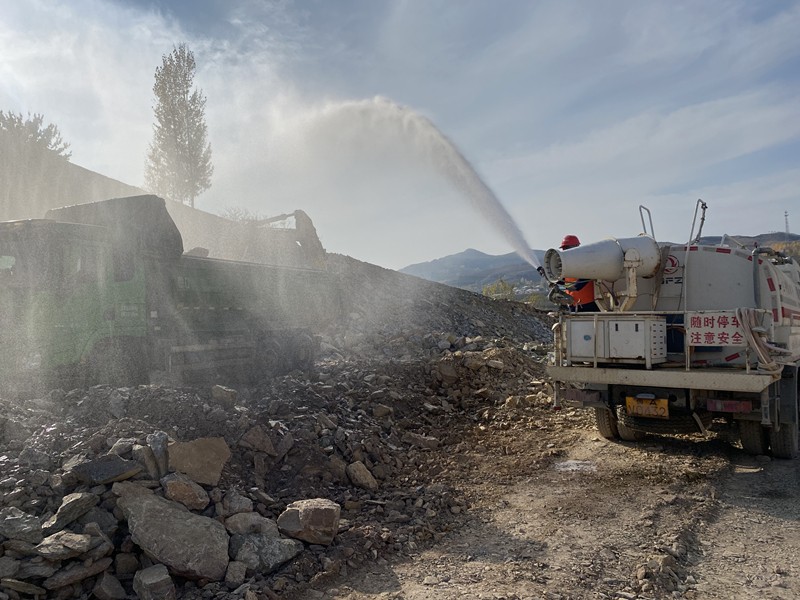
586	338
613	337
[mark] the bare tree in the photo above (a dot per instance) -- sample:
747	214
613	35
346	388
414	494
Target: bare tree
241	215
178	164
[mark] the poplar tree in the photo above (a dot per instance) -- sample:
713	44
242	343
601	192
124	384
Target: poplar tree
178	164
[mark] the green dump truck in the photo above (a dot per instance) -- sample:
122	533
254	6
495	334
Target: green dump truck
103	293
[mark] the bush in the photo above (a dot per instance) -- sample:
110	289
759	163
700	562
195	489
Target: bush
499	290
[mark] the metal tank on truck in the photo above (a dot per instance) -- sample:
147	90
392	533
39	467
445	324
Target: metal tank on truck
683	334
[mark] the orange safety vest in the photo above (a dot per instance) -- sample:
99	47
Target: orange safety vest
585	295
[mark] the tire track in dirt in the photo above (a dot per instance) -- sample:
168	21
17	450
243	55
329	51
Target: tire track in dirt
752	549
558	512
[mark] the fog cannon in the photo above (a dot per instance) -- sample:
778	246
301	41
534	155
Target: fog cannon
605	260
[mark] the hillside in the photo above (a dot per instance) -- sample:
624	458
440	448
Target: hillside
472	269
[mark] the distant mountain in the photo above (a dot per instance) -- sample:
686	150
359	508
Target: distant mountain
472	269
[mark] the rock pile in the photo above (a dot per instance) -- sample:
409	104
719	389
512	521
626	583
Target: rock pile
204	492
128	509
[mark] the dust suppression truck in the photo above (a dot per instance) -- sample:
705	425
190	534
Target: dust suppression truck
685	333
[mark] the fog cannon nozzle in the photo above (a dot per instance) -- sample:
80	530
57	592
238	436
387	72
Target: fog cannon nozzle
552	265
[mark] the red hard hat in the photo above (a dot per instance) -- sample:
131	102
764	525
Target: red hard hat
570	241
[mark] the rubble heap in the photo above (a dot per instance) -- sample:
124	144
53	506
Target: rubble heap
212	492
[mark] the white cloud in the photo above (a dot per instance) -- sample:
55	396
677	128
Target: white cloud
600	178
748	207
666	146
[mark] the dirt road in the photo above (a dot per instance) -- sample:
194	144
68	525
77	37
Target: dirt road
556	511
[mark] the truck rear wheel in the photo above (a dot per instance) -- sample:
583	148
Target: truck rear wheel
606	423
784	441
626	433
754	437
629	435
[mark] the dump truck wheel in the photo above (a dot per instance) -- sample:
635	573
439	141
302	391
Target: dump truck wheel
119	363
304	351
606	423
626	433
784	442
272	356
754	437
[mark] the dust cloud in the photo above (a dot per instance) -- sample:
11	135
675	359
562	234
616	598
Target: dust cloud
380	128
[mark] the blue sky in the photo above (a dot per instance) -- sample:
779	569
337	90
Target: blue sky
574	113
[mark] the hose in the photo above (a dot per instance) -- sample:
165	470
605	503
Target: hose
749	320
559	296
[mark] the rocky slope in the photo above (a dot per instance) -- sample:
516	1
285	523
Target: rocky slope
215	491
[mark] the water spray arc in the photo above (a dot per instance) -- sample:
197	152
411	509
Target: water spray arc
441	153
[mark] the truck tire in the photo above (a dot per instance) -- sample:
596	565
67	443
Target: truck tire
754	437
784	442
118	363
627	434
606	423
304	351
271	356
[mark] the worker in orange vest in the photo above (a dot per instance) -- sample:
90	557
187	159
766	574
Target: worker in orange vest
581	290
